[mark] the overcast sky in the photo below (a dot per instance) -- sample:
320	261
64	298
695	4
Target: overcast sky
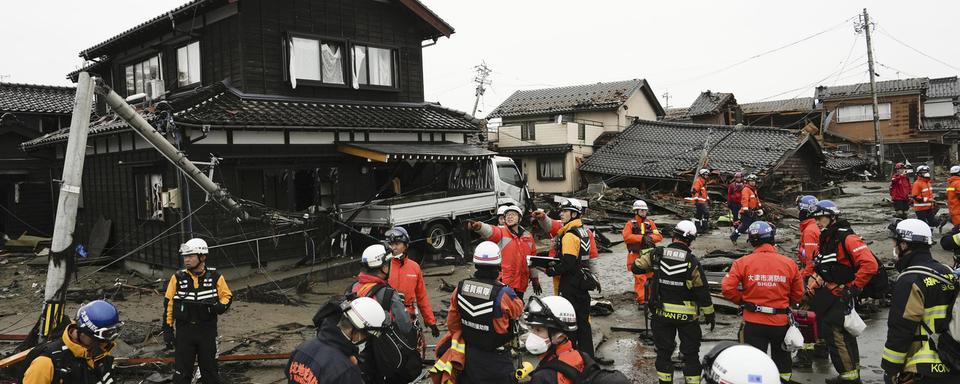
680	47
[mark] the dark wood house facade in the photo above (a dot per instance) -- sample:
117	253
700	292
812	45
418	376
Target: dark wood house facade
273	92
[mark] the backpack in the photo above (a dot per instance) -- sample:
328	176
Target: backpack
592	373
396	354
946	343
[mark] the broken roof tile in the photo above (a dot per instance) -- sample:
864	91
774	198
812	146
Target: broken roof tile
588	97
801	104
709	103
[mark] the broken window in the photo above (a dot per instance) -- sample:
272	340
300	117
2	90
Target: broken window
139	75
551	168
853	113
188	64
317	60
528	131
149	196
373	66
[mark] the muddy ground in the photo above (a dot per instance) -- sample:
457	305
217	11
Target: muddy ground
255	327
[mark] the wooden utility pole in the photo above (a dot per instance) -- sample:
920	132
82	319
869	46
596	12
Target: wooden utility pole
878	137
55	291
482	82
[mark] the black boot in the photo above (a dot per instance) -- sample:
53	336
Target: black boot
803	359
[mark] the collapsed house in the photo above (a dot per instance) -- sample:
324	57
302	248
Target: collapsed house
664	155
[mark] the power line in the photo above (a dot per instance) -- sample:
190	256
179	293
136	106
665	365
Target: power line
887	34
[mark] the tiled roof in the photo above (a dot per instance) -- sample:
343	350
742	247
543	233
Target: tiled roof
221	107
944	87
677	114
36	98
709	103
839	164
802	104
904	86
536	149
588	97
666	150
945	123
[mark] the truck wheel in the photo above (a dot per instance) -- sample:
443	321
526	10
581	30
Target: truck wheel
438	237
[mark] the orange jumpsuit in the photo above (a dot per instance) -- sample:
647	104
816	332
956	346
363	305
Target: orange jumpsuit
809	243
953	199
922	195
749	199
633	234
407	278
699	191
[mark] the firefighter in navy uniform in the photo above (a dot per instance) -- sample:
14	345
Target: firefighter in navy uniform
843	266
576	281
82	354
678	295
195	296
923	294
483	313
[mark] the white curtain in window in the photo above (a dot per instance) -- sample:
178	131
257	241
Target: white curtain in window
359	66
551	168
193	51
381	67
332	64
306	59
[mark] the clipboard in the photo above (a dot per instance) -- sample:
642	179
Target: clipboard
541	261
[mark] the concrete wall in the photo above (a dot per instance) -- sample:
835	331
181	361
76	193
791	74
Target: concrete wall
528	165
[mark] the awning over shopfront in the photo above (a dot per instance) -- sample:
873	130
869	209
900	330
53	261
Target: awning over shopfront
388	152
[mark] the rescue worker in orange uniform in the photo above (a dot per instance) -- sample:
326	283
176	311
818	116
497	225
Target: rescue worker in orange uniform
809	243
750	207
516	243
641	235
551	320
953	195
482	312
843	266
407	278
922	194
552	227
765	284
701	200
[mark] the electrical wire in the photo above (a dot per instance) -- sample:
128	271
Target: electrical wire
886	33
17	218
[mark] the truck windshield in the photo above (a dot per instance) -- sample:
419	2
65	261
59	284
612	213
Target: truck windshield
472	176
508	173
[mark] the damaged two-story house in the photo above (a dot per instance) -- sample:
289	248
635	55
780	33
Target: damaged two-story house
299	106
551	131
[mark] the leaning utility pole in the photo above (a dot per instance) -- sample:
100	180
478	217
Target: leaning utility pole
482	82
54	294
878	138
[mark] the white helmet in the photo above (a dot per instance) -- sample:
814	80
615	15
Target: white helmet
912	231
375	255
704	172
366	314
195	246
551	312
686	230
740	364
572	205
639	204
487	253
923	169
955	169
509	207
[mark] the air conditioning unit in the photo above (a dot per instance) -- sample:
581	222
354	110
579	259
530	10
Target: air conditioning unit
155	89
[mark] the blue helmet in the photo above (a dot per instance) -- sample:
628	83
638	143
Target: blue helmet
826	208
397	235
806	204
761	232
99	319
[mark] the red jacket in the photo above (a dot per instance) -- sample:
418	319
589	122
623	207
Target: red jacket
734	192
566	354
809	243
922	195
768	279
514	249
699	191
407	278
552	228
899	187
861	259
748	199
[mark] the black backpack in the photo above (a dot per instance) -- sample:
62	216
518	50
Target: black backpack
879	285
396	354
592	373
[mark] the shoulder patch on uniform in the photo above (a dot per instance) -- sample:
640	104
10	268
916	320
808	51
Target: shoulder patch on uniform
674	254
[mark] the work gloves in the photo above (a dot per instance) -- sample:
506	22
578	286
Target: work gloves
647	241
710	318
537	289
474	225
850	293
434	330
220	308
168	336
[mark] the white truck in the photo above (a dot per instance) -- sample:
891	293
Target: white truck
472	191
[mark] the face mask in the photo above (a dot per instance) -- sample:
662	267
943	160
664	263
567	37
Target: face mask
536	344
